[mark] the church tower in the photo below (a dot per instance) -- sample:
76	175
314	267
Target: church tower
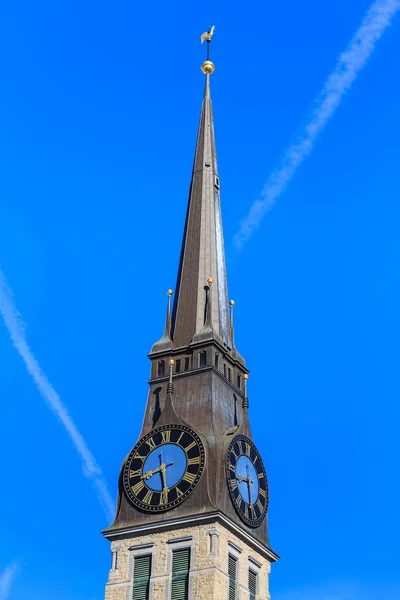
193	495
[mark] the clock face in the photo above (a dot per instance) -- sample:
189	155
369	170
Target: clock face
163	468
247	480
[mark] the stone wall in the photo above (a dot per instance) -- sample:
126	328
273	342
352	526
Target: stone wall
208	578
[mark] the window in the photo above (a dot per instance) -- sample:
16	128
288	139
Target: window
178	366
160	368
238	381
252	585
141	578
232	564
229	374
224	370
187	363
180	574
235	418
203	358
216	361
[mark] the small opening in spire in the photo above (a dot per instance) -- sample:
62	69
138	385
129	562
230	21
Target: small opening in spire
203	358
178	366
160	368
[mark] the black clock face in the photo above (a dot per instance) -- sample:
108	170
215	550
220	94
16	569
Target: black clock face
163	468
247	480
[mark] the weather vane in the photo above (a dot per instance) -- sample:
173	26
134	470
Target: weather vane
207	67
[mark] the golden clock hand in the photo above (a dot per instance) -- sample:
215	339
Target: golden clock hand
149	474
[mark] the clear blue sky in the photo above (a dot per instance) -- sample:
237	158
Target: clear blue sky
98	112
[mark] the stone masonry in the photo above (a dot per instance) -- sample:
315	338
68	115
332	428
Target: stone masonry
208	578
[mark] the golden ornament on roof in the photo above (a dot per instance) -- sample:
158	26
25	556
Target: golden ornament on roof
207	67
207	35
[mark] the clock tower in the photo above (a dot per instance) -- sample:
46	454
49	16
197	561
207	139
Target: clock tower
191	518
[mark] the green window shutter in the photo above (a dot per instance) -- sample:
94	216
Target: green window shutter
141	578
180	574
232	564
252	584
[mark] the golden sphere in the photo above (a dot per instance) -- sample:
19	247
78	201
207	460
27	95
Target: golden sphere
210	280
245	377
232	302
207	67
171	362
170	292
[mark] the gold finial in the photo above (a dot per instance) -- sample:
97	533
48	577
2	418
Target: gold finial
208	67
171	362
170	292
210	280
245	377
231	302
207	35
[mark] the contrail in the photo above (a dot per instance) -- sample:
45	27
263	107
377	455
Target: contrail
360	48
16	329
7	578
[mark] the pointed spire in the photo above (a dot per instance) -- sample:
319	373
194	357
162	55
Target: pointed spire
202	254
165	342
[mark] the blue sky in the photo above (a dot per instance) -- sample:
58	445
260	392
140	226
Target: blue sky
98	112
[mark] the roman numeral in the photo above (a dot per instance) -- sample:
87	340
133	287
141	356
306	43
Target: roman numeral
233	484
260	475
135	473
232	468
151	444
192	445
148	497
194	461
140	457
247	449
263	493
238	501
189	477
180	437
164	498
246	511
166	436
178	492
137	488
260	506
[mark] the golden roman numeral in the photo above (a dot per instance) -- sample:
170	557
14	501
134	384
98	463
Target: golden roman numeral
233	484
260	475
164	498
178	492
247	449
138	487
140	457
232	468
166	436
238	501
259	505
192	445
189	477
180	437
194	461
148	497
263	493
134	473
151	444
246	511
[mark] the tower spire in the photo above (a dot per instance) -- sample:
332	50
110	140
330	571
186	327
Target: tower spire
202	254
